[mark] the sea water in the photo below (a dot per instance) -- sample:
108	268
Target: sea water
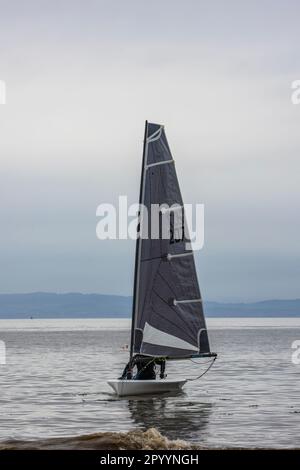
54	384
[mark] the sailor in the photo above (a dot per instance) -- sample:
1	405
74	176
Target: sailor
145	368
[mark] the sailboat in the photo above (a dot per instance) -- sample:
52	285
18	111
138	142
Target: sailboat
167	315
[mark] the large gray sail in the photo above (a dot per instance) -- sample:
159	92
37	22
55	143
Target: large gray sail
168	317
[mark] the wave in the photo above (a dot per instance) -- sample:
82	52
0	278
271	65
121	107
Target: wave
151	439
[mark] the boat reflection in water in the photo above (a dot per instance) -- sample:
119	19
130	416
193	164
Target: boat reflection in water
171	415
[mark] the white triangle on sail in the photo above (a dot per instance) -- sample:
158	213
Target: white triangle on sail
154	336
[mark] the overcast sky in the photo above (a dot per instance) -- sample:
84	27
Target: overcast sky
82	76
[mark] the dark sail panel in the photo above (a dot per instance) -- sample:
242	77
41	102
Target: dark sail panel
168	313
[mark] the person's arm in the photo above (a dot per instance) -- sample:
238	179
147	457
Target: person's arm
124	374
128	370
162	369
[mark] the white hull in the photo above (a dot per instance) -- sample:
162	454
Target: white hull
142	387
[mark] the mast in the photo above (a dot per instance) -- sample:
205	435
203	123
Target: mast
138	244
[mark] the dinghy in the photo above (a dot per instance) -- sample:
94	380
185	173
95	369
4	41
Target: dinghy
168	322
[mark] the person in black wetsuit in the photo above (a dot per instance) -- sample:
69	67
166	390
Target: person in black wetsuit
145	368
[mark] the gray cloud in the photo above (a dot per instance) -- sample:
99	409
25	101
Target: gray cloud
81	80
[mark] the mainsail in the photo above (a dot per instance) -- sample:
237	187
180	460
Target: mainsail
167	317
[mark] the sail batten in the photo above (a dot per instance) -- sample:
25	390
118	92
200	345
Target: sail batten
186	301
159	163
168	317
179	255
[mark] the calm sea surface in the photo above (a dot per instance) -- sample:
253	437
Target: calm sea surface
54	384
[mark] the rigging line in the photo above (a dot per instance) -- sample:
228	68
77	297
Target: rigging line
203	373
196	362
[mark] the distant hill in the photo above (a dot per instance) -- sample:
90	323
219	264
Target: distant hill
75	305
266	308
72	305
